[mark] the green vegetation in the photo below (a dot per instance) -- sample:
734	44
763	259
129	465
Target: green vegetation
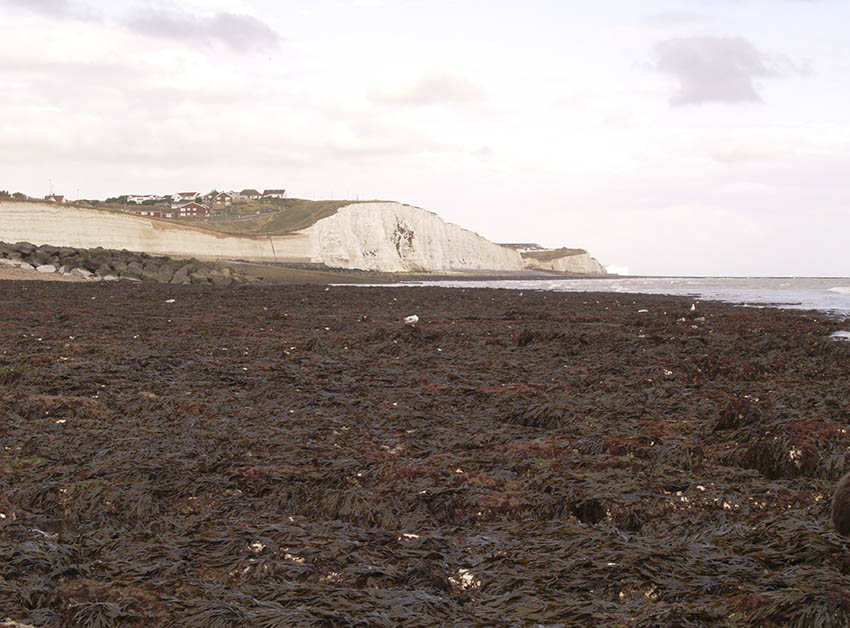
31	461
9	374
548	256
271	216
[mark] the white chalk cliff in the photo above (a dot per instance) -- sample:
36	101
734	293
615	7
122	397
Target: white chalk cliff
387	237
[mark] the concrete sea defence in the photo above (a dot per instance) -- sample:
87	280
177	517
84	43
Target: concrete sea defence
388	237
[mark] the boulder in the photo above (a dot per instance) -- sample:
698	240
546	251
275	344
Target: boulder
164	274
181	275
25	266
46	268
41	257
81	272
103	269
220	279
201	271
149	272
24	247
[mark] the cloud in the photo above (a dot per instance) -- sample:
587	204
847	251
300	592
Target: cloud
237	32
433	89
676	18
717	69
53	8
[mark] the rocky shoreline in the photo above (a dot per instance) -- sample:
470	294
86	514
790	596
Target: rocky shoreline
101	264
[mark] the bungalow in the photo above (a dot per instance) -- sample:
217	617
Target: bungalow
55	198
251	195
185	197
192	209
156	213
274	193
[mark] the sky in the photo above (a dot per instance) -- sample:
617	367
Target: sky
666	137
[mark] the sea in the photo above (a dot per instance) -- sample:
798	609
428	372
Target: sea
830	295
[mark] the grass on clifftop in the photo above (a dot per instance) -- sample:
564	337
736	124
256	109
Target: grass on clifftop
275	217
548	256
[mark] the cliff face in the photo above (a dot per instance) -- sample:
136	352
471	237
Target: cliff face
565	261
372	236
397	238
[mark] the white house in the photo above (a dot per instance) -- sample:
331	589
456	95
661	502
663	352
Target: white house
138	200
185	197
274	193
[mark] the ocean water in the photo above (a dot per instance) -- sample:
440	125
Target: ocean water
829	294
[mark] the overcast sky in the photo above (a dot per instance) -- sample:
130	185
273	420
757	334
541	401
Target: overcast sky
681	137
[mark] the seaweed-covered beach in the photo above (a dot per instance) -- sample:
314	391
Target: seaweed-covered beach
277	456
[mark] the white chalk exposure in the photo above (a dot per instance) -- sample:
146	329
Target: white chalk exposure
395	237
372	236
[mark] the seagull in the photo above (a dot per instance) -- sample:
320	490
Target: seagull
693	307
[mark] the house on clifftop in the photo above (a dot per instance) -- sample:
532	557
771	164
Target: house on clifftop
191	210
185	197
274	193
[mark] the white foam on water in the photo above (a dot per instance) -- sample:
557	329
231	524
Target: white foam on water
840	335
802	293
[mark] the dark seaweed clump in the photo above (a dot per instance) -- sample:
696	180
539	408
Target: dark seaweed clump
297	456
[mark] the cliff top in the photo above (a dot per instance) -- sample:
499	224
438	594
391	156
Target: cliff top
248	218
293	214
548	255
